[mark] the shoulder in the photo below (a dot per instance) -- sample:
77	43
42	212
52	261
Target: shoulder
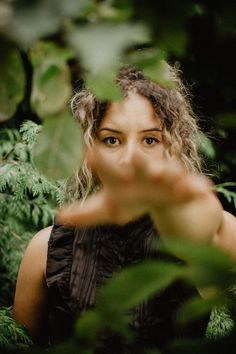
229	217
42	236
225	238
39	242
228	226
31	295
36	251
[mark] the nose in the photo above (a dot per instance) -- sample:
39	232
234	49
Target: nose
128	152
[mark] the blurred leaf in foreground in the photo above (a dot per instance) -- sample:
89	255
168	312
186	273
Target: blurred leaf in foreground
207	265
12	82
58	149
198	307
30	20
100	47
147	279
151	62
117	297
51	78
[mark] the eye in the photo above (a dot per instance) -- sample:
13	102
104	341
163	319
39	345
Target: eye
150	140
111	140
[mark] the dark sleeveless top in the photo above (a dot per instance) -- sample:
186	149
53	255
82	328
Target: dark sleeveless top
82	260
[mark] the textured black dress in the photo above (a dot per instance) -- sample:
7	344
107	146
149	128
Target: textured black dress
81	260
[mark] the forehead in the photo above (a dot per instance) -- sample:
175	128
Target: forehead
134	109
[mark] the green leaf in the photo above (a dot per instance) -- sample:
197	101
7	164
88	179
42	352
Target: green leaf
51	78
207	265
112	12
206	146
59	147
198	307
124	291
229	195
12	83
174	40
104	87
100	47
146	278
151	62
88	325
204	254
30	20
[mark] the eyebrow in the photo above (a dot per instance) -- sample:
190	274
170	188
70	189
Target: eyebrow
151	130
142	131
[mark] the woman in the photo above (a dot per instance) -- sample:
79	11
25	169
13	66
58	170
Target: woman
141	173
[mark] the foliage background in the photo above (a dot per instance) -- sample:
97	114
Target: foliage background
50	48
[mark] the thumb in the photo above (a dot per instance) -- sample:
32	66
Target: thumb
97	209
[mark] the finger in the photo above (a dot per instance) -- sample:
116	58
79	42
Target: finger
146	170
97	209
165	172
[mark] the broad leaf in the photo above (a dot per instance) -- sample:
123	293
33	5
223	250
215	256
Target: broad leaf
51	89
151	62
124	291
100	47
146	278
206	146
198	307
207	266
31	20
12	83
104	87
59	147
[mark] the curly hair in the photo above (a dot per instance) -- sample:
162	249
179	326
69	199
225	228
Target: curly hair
172	105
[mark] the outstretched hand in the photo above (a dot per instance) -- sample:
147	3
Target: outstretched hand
132	190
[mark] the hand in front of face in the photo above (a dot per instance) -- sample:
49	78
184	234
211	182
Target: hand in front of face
134	189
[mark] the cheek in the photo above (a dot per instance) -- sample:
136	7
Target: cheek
108	154
158	153
162	151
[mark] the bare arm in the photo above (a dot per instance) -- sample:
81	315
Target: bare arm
200	220
31	296
181	204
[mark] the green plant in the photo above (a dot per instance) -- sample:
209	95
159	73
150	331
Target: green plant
12	334
28	201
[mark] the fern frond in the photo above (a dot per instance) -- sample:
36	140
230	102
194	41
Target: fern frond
12	334
229	195
29	131
27	199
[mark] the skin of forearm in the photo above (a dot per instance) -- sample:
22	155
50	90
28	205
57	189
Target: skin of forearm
197	220
203	220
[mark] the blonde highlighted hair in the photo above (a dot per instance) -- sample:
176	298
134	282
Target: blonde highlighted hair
172	105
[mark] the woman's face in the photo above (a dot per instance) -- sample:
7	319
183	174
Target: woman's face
130	128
